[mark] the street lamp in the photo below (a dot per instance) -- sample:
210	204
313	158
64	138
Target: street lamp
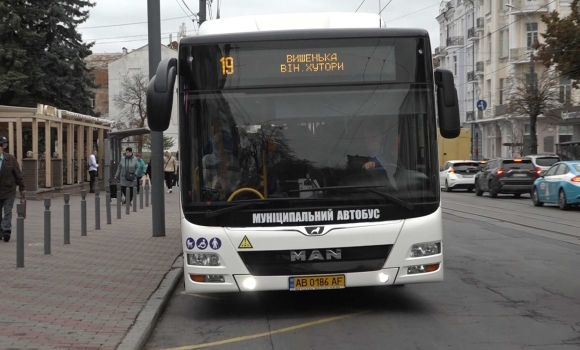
532	70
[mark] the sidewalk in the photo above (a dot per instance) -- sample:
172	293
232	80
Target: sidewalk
85	295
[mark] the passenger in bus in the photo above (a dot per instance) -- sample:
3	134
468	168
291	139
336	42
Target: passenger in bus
221	171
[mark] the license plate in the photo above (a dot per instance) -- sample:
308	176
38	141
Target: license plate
520	175
317	282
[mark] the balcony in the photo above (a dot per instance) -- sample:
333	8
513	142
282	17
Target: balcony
471	77
500	110
536	6
520	55
472	34
440	51
479	67
480	24
455	41
470	116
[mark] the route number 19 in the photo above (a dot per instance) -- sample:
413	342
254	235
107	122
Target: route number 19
227	65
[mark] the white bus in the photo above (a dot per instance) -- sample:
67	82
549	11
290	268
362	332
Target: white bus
308	151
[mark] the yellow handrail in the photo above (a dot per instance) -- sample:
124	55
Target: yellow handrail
245	189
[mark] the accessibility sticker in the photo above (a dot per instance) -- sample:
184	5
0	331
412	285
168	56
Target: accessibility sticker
215	243
190	243
201	243
245	244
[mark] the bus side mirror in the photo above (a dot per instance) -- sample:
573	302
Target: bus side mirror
160	95
447	104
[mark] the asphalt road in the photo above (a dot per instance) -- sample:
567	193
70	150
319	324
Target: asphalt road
511	282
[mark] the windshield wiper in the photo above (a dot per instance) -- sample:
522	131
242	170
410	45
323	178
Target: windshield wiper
218	212
371	188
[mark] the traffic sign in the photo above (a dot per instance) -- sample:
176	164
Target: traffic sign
481	105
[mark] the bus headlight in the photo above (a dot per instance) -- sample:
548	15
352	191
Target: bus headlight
425	249
203	259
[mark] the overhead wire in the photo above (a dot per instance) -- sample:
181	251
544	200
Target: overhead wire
358	8
130	24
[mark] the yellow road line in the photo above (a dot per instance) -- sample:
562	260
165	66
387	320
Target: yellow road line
265	334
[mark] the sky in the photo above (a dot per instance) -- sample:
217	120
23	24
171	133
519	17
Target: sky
107	25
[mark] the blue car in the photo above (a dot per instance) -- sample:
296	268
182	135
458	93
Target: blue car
559	185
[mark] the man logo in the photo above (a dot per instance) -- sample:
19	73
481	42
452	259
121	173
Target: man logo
314	230
311	255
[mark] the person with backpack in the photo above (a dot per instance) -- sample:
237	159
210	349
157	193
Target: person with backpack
140	172
170	170
127	173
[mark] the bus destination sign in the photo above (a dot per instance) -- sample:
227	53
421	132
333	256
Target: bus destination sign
312	62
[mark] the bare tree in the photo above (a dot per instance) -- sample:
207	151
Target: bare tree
132	100
516	145
540	96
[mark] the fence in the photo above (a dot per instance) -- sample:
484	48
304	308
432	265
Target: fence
82	200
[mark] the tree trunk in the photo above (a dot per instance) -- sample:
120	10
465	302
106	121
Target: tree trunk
533	134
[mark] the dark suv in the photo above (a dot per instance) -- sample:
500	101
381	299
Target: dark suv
506	175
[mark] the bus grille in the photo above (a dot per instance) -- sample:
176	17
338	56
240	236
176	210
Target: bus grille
316	261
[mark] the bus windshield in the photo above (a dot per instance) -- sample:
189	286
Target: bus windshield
256	137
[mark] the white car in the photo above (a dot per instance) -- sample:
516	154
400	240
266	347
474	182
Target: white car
458	174
543	162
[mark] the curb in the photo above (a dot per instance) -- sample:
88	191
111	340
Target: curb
145	323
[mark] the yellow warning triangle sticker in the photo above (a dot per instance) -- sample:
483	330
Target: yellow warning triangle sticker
245	244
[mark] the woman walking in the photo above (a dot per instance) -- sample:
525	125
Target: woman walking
127	173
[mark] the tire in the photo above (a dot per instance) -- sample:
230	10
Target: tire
536	198
492	191
517	195
478	191
447	188
562	202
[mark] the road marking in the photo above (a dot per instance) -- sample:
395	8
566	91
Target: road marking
266	334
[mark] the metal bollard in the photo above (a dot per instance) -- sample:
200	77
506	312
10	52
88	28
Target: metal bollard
147	194
128	200
97	208
141	198
20	235
119	201
84	213
134	199
66	218
47	237
108	205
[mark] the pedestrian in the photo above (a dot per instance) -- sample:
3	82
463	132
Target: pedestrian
10	177
127	173
93	166
176	177
170	170
148	171
140	172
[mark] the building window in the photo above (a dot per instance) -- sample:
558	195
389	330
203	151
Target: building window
489	92
565	91
549	144
92	102
489	46
501	87
531	34
455	65
565	133
502	5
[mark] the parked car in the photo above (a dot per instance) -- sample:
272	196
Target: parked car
543	161
506	175
559	185
458	174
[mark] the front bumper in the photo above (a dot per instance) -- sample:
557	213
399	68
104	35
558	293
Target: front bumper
236	283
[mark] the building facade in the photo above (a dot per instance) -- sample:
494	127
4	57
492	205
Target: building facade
99	65
498	38
129	64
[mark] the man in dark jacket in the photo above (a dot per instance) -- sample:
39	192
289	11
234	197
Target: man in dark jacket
10	177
